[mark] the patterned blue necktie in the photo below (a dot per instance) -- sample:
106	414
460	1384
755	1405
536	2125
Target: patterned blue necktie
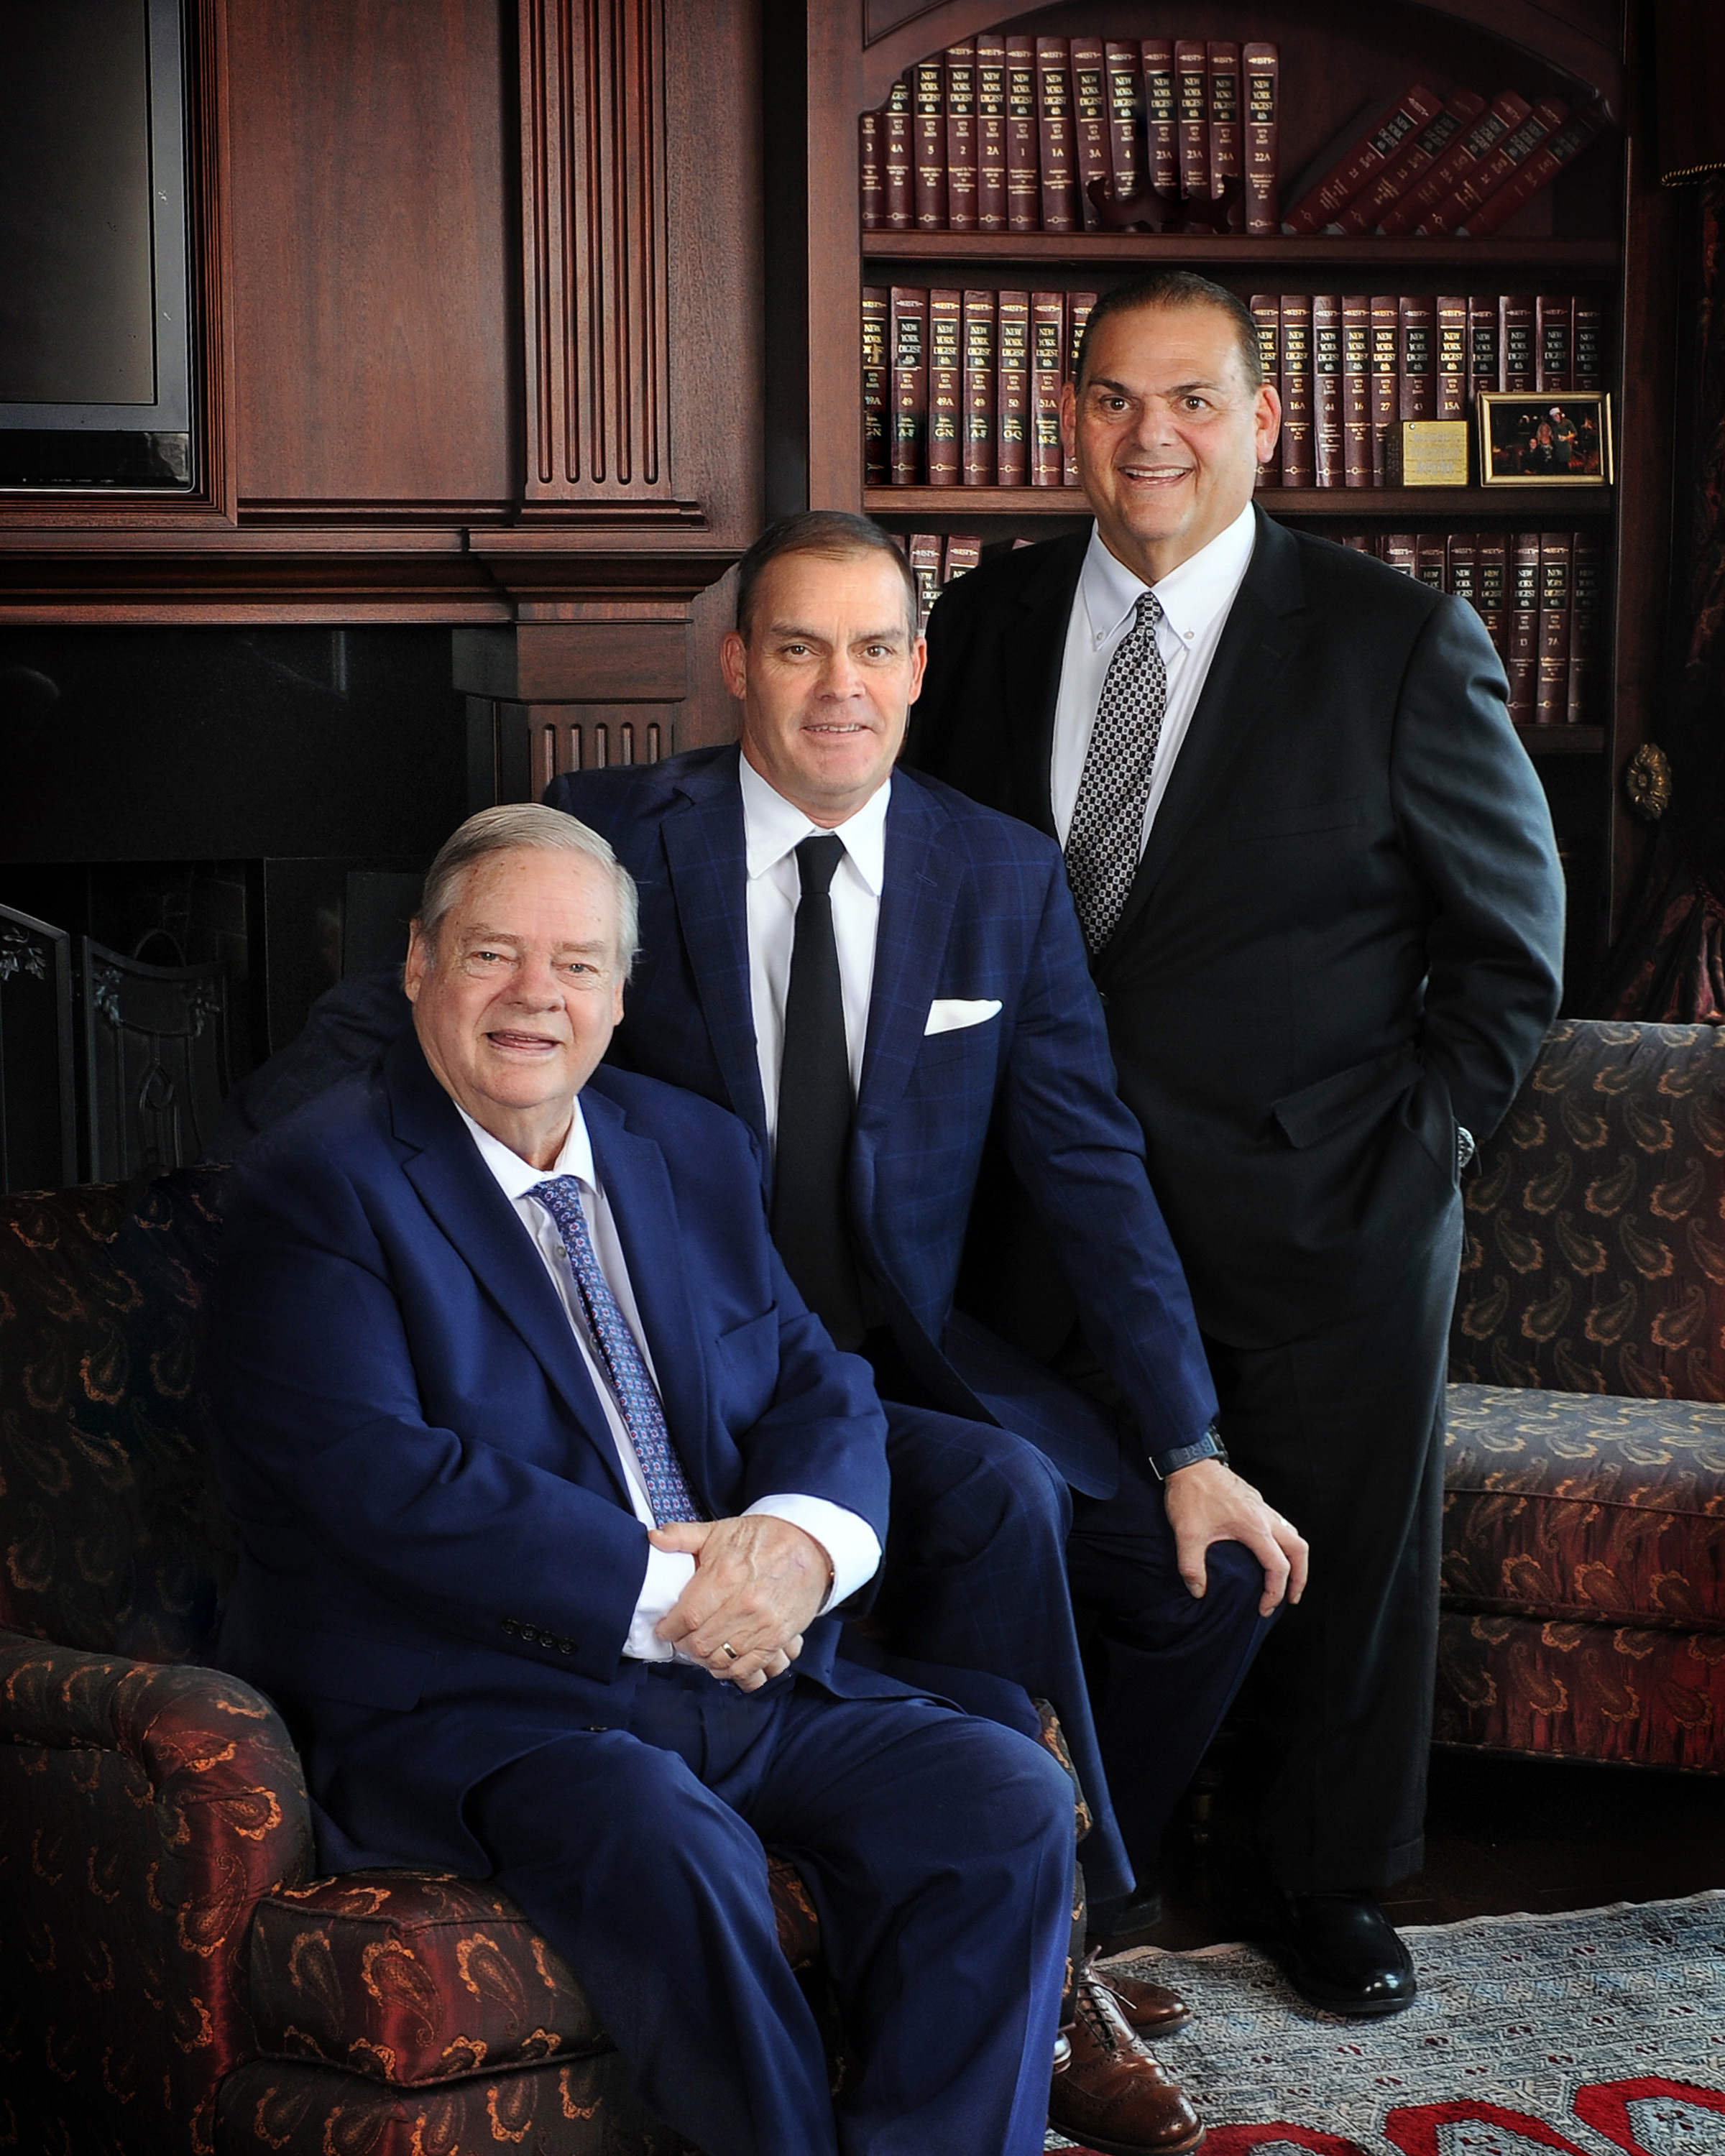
637	1397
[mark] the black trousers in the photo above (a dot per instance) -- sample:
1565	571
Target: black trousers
1342	1429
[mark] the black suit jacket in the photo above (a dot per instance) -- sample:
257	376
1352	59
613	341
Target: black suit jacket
1345	934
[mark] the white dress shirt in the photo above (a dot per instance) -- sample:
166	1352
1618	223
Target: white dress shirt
852	1547
773	829
1195	601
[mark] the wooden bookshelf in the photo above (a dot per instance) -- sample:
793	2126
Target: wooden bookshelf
1490	257
1346	504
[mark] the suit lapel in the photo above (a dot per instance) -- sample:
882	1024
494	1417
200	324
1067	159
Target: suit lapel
707	859
1033	649
916	901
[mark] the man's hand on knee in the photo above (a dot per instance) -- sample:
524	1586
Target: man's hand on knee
1207	1503
758	1583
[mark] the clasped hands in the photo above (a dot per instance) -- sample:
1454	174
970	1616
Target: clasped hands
758	1583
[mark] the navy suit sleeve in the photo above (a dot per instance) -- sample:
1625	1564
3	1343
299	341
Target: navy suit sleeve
1475	819
1080	1153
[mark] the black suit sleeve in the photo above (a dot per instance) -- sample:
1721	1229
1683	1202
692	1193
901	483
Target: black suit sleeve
1474	818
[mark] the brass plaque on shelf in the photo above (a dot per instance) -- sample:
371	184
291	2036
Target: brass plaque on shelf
1429	453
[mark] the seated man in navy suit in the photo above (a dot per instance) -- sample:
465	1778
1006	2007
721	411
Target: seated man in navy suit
547	1480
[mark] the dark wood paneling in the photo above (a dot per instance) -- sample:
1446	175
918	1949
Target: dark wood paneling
371	215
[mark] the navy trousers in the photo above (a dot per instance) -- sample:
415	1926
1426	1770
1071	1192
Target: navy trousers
938	1848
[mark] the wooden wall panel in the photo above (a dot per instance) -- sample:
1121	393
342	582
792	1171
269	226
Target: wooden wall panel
372	207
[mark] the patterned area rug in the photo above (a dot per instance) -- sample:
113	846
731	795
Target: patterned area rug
1596	2034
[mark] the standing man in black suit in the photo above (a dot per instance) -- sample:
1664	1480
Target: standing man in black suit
1315	873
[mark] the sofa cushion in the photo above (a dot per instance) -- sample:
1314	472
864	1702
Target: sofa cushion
1578	1507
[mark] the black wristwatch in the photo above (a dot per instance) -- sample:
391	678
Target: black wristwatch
1209	1446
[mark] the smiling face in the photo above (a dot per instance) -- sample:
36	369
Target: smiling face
827	677
1168	432
518	1002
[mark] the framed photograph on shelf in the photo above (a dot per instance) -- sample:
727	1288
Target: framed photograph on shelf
1548	438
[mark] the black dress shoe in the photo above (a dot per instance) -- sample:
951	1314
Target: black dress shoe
1340	1952
1114	1926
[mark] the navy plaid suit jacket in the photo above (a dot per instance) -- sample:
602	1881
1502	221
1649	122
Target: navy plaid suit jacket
974	906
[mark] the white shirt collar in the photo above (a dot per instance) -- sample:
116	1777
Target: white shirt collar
516	1175
773	826
1191	596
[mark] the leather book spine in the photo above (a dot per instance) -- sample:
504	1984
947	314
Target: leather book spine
910	382
1162	146
963	551
991	132
1558	150
1054	136
876	386
1261	64
1048	337
1011	390
1506	111
871	173
1386	371
1452	400
1357	542
1361	163
1551	698
1267	318
1521	658
1221	58
1328	467
1192	100
1416	159
1296	455
928	144
1024	168
1475	187
1461	574
1078	307
1125	164
946	387
1400	550
1491	569
1586	624
1484	357
925	558
1090	126
1416	394
1355	390
961	137
1431	557
897	161
1589	347
1517	359
979	367
1553	341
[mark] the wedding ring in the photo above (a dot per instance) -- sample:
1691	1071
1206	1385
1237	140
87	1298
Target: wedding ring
727	1651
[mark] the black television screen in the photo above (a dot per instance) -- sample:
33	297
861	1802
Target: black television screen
96	343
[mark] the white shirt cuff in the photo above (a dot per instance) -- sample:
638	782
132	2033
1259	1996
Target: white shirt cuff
853	1548
668	1572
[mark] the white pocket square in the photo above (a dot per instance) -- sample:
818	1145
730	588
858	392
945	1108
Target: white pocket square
948	1013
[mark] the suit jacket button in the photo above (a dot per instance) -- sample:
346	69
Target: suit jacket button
565	1646
511	1626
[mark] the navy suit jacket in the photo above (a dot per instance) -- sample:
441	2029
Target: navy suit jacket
440	1562
974	906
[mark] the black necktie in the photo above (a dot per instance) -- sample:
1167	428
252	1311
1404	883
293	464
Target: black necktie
810	1219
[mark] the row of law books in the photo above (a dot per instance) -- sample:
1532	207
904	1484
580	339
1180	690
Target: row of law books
1351	368
1005	133
935	560
1541	596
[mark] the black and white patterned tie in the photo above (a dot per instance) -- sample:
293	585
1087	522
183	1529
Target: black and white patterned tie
1102	842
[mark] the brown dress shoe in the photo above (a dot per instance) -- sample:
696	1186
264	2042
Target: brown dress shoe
1109	2093
1151	2008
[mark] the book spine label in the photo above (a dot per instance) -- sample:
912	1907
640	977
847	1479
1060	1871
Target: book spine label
1586	625
960	138
897	164
1400	550
1386	369
1023	171
1517	359
1055	139
1462	577
1589	345
928	141
1416	395
963	554
946	387
1328	455
910	382
990	132
1540	170
1417	158
1417	108
1552	697
1521	658
1125	103
871	173
979	366
925	559
1553	340
1431	556
1192	94
1078	307
1262	68
1452	399
1222	65
1048	327
1484	360
1355	390
1504	112
1491	172
1297	451
1162	146
1090	112
1491	568
876	386
1012	391
1266	319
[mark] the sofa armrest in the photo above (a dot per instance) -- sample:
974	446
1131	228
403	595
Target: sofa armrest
145	1808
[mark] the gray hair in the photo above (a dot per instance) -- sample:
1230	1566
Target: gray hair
511	828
